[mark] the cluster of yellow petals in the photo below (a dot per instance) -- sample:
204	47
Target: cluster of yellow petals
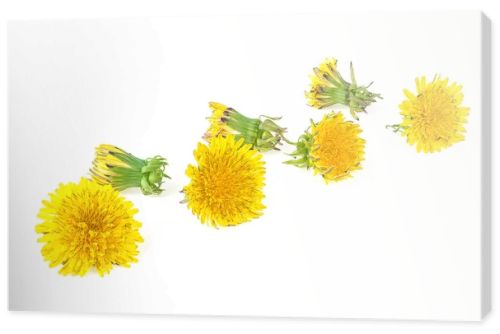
433	118
337	148
88	226
104	162
217	126
322	78
226	185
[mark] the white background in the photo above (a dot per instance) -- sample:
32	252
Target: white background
246	324
395	241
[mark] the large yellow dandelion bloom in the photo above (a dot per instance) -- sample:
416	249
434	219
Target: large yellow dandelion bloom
433	118
262	133
332	147
329	88
87	225
227	182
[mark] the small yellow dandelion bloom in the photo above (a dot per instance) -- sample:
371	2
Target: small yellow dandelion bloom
433	118
122	170
262	133
226	185
332	147
87	225
328	88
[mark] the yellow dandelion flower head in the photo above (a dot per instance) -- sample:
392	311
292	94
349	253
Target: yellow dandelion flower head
217	126
262	133
338	148
433	118
226	186
88	226
122	170
329	88
332	147
322	78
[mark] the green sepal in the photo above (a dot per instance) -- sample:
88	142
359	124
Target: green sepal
350	94
262	133
302	155
146	174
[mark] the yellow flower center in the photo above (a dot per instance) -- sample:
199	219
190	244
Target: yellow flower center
337	148
433	119
86	226
226	186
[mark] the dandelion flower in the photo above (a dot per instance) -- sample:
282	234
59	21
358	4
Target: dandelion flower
226	185
328	88
87	225
262	133
332	147
433	118
122	170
